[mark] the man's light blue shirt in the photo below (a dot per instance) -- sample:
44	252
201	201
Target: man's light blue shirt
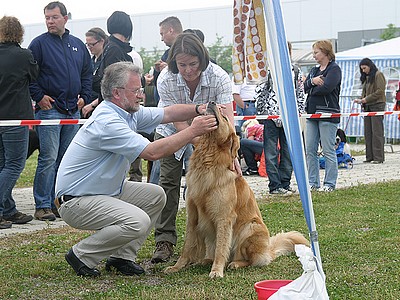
98	158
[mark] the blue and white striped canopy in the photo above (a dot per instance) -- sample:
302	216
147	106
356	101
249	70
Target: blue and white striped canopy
386	57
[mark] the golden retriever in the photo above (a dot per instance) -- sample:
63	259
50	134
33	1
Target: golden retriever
224	223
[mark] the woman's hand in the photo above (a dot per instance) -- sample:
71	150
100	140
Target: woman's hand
236	167
359	101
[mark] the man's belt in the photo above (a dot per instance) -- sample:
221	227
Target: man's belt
62	199
250	101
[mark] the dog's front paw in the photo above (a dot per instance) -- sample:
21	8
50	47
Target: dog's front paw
171	269
216	274
206	261
233	265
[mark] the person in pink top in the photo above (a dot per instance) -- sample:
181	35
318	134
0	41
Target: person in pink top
252	146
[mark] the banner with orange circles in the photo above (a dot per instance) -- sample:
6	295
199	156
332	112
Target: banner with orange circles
249	48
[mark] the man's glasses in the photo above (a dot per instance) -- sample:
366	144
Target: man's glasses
92	44
136	92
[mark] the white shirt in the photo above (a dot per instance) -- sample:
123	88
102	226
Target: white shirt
246	91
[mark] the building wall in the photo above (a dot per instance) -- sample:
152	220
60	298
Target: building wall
305	20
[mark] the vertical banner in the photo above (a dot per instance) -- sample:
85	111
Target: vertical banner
249	50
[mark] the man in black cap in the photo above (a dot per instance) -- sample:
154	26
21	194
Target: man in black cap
119	26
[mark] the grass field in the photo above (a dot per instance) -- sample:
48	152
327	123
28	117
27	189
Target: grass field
358	235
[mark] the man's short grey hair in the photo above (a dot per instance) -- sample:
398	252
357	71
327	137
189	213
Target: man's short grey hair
116	76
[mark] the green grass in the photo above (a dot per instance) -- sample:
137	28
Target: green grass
358	236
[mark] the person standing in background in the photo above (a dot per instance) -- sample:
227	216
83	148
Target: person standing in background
96	39
170	28
243	95
63	87
119	26
17	69
190	78
278	163
323	88
373	99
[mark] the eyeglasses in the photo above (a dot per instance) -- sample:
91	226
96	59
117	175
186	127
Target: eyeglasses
92	44
137	92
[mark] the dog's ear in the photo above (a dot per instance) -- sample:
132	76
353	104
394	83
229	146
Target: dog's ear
235	144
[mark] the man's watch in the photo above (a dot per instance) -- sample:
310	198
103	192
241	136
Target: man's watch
197	109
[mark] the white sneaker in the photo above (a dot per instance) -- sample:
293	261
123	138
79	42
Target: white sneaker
281	191
326	189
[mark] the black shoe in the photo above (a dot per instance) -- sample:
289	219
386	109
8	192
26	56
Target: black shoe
80	268
250	172
126	267
55	212
19	218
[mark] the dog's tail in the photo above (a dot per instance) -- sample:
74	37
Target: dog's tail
283	243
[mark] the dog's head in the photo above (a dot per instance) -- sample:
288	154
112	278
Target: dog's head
225	135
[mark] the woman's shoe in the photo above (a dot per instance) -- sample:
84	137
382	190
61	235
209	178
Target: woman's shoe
250	172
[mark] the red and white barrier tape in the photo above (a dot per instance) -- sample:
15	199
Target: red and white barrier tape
319	116
259	117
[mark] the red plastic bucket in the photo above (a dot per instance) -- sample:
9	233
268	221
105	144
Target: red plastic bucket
266	288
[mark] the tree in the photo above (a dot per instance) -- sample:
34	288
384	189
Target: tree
390	32
149	58
222	54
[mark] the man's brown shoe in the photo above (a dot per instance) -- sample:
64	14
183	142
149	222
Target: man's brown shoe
4	224
164	251
44	214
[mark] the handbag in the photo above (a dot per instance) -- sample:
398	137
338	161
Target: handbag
398	93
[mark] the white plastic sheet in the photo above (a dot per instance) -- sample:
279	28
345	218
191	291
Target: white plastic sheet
310	285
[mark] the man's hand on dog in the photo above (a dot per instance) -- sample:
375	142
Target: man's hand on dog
203	124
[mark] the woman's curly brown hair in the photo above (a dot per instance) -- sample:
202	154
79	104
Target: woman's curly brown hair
11	30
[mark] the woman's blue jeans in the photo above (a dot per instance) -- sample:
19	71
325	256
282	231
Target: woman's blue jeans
249	109
325	132
13	151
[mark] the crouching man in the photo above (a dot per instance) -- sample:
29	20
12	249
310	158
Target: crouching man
91	185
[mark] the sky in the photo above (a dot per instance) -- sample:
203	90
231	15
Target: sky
31	11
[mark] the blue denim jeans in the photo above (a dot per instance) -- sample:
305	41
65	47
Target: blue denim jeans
54	141
13	152
249	149
277	160
248	110
325	132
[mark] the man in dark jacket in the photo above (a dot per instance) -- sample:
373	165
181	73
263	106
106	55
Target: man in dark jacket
63	87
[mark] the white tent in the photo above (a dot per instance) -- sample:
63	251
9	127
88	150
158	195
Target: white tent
386	56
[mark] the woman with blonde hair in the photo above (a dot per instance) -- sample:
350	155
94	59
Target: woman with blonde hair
323	88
